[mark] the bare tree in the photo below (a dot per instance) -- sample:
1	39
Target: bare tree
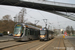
72	30
21	15
68	29
6	17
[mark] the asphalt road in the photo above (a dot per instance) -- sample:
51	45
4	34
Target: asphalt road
6	37
54	44
71	39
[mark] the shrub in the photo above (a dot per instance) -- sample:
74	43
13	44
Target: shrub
5	32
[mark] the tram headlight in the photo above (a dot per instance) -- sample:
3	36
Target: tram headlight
17	35
42	36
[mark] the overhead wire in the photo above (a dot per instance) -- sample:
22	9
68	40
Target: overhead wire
7	9
13	11
31	16
42	9
33	4
39	12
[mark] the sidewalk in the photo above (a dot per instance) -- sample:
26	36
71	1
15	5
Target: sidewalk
6	40
68	44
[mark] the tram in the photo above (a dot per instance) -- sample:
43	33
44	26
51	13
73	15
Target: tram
46	34
24	32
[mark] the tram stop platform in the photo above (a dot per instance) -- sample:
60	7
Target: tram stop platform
68	41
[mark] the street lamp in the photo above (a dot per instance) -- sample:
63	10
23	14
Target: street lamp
14	19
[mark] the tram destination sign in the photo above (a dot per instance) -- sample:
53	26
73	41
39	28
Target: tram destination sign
18	25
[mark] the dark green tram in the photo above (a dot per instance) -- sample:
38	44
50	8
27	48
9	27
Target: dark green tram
46	34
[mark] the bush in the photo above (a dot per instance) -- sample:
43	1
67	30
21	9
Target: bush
5	32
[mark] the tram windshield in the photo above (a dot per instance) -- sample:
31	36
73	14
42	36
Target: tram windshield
17	30
42	32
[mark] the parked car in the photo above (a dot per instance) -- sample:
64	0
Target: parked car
1	34
10	34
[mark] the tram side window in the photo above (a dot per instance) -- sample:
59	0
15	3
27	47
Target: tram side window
31	32
35	32
26	33
23	30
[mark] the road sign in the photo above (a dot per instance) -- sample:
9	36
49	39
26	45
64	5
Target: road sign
65	33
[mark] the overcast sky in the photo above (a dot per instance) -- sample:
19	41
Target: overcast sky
56	20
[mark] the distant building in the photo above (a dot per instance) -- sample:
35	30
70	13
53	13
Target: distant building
59	31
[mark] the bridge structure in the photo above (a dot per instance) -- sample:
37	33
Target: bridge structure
49	6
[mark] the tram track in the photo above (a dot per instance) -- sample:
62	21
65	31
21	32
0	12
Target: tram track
58	44
43	46
37	45
9	46
61	45
27	46
6	38
30	46
2	41
55	45
49	44
34	46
